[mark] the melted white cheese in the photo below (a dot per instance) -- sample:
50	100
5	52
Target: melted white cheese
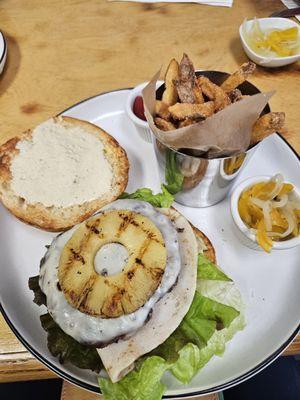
91	330
61	166
110	259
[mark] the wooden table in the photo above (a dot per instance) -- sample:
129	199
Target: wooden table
60	52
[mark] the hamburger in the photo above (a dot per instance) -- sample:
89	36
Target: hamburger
134	291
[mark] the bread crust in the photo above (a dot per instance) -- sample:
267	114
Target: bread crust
55	218
210	251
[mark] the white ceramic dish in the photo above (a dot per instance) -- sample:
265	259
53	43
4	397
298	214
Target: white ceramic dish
3	51
270	288
249	237
141	126
266	24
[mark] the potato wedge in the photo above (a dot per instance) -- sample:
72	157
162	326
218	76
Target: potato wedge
187	122
266	125
235	95
161	109
164	125
185	92
170	95
187	88
213	92
186	69
198	93
181	111
238	77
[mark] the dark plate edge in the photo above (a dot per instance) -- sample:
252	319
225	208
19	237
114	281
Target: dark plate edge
92	388
4	49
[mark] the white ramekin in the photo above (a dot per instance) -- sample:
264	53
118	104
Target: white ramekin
244	233
141	126
266	24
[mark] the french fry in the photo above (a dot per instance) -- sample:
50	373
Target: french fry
161	109
235	95
182	111
186	122
207	87
214	92
238	77
265	125
164	125
198	93
170	95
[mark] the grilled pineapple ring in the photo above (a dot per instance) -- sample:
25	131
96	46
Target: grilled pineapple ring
125	292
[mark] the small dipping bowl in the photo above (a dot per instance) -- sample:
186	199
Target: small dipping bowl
268	24
245	235
205	181
141	126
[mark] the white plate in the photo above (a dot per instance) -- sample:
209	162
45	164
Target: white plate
269	283
3	51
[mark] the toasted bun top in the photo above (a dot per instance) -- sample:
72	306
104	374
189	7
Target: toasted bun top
61	172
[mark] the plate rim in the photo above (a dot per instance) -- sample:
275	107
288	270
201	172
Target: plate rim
2	56
65	375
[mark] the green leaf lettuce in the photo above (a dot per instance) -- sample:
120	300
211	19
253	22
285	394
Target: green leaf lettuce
164	199
141	384
208	270
174	177
68	349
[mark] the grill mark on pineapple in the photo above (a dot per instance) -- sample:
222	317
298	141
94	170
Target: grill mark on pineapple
77	256
126	220
157	273
69	265
143	249
112	306
130	275
134	223
152	236
88	287
130	220
95	230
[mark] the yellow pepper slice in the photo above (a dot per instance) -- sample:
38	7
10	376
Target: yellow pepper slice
262	239
285	34
258	187
263	192
255	212
243	211
286	188
278	219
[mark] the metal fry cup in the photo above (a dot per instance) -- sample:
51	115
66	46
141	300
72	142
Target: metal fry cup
194	180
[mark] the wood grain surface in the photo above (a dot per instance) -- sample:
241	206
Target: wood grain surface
60	52
71	392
